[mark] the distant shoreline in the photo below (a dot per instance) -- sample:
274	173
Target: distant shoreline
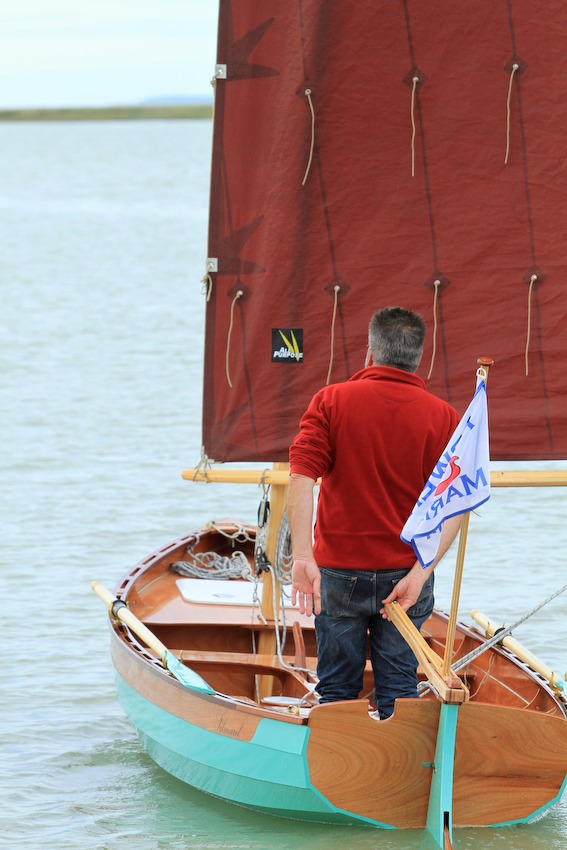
109	113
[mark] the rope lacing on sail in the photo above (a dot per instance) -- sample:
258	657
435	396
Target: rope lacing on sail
415	81
436	284
312	147
533	280
238	295
515	67
336	290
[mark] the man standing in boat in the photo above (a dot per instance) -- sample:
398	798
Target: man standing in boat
373	440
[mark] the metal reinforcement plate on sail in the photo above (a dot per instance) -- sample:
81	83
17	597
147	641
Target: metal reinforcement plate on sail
377	153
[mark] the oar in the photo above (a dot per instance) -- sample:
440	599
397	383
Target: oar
496	638
519	650
183	674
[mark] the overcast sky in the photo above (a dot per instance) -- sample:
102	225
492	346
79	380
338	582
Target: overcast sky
105	52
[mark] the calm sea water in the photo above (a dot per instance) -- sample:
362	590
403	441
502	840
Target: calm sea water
103	246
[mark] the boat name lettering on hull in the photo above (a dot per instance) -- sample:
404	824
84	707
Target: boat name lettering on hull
224	728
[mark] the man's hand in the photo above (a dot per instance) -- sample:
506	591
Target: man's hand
306	585
406	592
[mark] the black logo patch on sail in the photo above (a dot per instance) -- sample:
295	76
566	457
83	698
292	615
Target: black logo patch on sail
287	345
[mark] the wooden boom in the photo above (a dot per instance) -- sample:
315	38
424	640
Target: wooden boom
500	478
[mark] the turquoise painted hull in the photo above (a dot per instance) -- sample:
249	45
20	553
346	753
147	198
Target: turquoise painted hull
269	773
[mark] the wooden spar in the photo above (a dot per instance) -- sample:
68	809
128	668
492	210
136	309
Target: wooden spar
499	478
457	582
118	609
484	364
520	651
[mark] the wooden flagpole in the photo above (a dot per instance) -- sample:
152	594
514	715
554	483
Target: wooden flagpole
484	363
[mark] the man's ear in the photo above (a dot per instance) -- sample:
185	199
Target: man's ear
368	361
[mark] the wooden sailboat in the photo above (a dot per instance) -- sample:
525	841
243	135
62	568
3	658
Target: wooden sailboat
363	155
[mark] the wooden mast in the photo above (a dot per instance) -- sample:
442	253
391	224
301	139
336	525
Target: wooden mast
267	640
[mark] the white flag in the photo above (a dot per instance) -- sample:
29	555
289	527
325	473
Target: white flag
460	481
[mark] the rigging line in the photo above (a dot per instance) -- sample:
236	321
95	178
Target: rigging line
496	638
415	81
336	290
436	284
308	96
533	279
515	67
238	295
280	639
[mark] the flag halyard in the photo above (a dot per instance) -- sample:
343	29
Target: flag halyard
459	483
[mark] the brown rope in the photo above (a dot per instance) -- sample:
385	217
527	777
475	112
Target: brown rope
437	284
336	290
238	295
533	279
308	96
415	81
207	287
515	67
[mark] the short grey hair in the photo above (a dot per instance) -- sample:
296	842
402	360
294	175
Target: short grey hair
396	337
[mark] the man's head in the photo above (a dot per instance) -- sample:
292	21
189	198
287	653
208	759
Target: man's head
396	337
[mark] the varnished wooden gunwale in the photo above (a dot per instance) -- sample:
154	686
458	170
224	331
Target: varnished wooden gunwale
151	592
207	711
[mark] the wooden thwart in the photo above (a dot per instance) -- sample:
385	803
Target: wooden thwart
449	687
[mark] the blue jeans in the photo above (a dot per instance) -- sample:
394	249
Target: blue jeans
350	605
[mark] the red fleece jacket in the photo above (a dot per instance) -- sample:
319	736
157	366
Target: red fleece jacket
374	440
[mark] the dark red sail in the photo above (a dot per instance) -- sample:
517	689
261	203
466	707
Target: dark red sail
387	152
